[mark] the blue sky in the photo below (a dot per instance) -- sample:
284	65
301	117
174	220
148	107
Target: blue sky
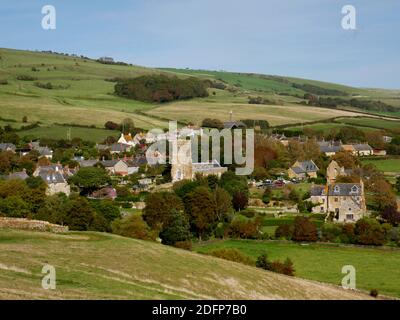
301	38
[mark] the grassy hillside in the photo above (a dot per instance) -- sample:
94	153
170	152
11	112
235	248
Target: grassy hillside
83	95
102	266
375	268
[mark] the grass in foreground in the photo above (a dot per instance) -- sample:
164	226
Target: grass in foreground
102	266
376	268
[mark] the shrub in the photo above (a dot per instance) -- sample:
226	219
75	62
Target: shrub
232	254
26	78
133	226
369	232
42	85
245	229
249	213
374	293
286	267
284	231
304	230
3	82
185	245
212	123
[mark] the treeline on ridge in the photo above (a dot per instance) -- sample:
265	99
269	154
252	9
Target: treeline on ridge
160	88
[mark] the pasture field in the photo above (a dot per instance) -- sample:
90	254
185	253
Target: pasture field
326	127
196	110
375	267
61	132
93	265
385	165
371	122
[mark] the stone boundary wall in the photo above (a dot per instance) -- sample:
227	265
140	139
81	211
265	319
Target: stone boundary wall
36	225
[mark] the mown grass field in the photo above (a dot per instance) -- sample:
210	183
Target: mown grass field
385	165
326	127
196	110
102	266
61	132
375	267
371	122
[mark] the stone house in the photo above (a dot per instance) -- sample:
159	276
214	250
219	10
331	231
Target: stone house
184	169
343	202
302	170
330	148
55	176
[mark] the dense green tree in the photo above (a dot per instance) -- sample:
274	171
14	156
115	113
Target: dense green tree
14	206
79	215
159	207
90	179
177	228
200	207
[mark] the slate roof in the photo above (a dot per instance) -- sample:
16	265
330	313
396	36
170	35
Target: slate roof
305	166
52	177
345	189
119	147
7	146
44	151
318	191
18	175
234	124
87	163
362	147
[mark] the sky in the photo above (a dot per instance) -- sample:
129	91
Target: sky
299	38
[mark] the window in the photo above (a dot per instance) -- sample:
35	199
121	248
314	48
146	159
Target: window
336	199
336	189
349	216
322	209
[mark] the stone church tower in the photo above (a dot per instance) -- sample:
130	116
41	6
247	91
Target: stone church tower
181	160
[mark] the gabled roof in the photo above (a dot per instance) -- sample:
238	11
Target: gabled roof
362	147
234	124
118	147
7	146
52	177
345	189
305	166
318	191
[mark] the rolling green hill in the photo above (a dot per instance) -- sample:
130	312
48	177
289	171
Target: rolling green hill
83	94
102	266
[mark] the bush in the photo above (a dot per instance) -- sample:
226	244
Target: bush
374	293
3	82
244	229
304	230
26	78
232	254
286	267
248	213
284	231
369	232
133	226
212	123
